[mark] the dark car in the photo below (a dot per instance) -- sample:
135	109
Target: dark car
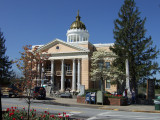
39	92
14	91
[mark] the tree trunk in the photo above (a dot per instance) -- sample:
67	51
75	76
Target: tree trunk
102	84
102	89
28	107
134	85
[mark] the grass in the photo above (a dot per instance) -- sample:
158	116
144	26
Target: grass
157	91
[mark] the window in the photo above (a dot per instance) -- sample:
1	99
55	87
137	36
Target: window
83	39
107	65
100	64
69	38
57	47
108	84
48	67
68	67
74	38
77	38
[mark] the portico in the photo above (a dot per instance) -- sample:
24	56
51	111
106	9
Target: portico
63	73
67	72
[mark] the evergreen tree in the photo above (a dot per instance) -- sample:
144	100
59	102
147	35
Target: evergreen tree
131	44
5	64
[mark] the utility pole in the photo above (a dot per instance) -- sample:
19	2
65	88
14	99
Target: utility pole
127	80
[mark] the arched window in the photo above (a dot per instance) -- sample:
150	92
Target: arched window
77	38
83	38
69	38
74	39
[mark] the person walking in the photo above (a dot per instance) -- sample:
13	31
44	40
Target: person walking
133	96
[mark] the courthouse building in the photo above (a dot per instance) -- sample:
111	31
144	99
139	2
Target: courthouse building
68	65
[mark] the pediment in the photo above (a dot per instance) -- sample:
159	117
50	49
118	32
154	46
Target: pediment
59	46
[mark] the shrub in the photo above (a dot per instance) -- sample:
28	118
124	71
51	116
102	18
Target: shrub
141	96
14	114
114	96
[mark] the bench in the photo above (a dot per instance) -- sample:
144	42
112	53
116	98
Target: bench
65	95
5	91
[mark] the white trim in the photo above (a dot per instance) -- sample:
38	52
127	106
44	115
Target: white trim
103	45
76	52
76	30
67	57
36	46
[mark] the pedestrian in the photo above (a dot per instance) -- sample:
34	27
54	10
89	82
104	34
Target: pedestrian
133	96
125	93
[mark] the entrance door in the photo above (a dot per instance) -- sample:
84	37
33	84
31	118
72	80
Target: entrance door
68	84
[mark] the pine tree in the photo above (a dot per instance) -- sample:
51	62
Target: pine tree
5	64
131	44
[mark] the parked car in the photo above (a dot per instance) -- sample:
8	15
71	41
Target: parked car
39	92
14	91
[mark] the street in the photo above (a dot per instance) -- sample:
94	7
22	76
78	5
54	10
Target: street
81	112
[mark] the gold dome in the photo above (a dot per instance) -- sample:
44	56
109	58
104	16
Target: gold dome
77	24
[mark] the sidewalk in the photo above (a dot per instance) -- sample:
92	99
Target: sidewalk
130	108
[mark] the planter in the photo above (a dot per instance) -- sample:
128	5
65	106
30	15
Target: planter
81	99
116	101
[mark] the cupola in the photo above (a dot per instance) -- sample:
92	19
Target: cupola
77	31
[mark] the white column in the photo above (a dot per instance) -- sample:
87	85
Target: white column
42	74
79	75
74	76
39	74
52	74
62	76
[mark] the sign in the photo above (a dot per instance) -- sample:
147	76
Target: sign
150	89
99	97
82	90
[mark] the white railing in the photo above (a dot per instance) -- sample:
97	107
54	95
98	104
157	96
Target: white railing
48	73
69	73
58	73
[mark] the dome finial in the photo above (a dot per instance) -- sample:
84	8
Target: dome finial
78	17
78	13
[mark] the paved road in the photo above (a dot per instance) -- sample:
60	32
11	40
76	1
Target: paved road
80	112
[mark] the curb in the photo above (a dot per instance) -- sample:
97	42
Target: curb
99	107
129	110
145	111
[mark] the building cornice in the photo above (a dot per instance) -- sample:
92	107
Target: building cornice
56	41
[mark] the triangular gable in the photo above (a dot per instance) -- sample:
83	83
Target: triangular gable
59	46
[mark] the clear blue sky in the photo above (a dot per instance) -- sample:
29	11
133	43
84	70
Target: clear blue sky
32	22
